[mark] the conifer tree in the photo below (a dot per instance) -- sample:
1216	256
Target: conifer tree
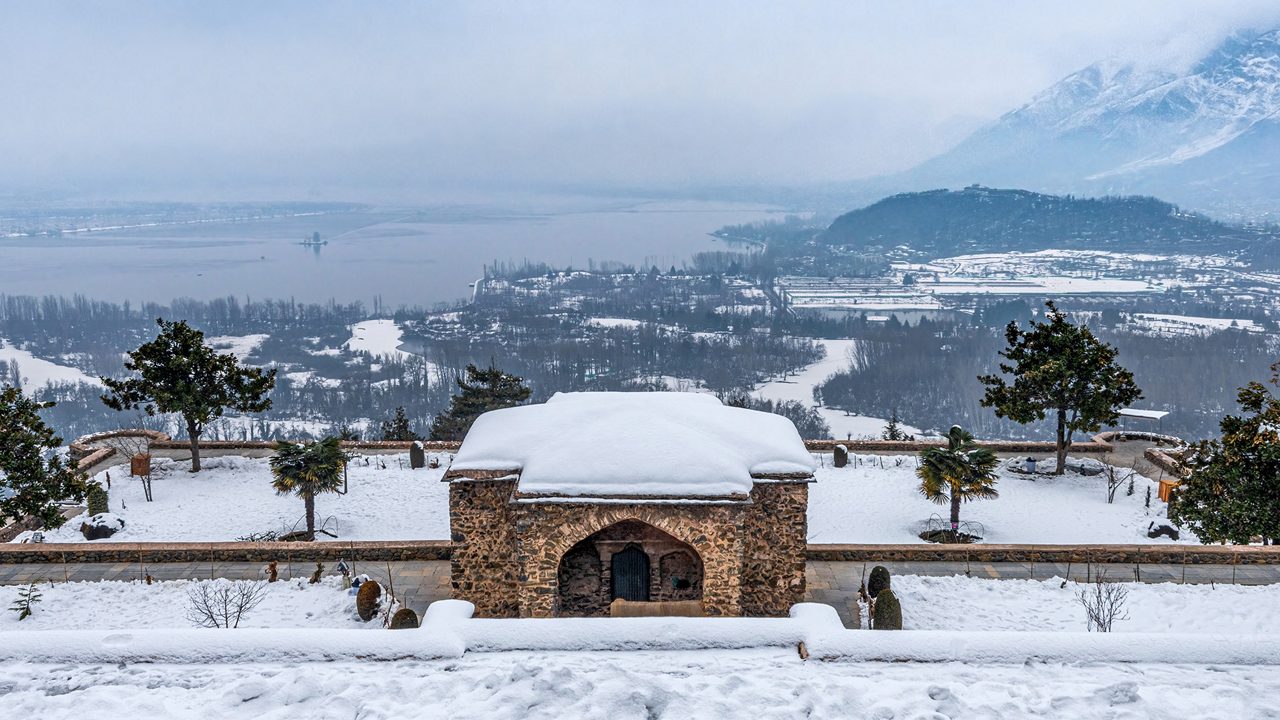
482	391
398	428
1232	494
179	373
893	430
1059	368
33	477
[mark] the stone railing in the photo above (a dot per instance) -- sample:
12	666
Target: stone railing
904	447
978	552
95	453
1166	462
433	550
223	552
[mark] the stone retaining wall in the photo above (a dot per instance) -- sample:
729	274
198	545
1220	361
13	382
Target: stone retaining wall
106	552
906	447
1165	462
1128	554
422	550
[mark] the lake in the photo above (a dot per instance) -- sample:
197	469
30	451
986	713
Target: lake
404	257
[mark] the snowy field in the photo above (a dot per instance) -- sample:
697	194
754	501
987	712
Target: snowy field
232	497
800	387
37	372
867	503
379	338
763	684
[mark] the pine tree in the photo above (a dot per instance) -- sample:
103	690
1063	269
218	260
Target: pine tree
33	475
398	428
960	472
1061	368
1232	494
893	431
26	602
482	391
179	373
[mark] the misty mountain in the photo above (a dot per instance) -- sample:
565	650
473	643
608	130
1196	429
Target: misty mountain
977	219
1207	138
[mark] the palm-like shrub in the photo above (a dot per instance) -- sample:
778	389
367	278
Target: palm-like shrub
960	472
308	469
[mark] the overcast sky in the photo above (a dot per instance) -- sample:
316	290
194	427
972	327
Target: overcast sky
316	99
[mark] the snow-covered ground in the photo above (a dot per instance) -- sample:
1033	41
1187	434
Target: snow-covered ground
762	684
876	499
379	338
115	605
861	503
1159	324
239	345
978	604
799	387
928	603
38	372
232	497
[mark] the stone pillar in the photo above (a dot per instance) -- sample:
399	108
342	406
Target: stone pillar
483	567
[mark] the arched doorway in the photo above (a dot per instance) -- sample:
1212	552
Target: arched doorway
631	560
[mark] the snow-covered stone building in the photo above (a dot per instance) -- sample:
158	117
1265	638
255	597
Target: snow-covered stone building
560	508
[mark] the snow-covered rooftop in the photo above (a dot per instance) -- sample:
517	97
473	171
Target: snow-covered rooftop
634	444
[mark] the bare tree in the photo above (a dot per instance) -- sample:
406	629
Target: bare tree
223	603
1103	603
1115	477
135	444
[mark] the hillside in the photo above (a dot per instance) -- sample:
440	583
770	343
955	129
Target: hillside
1207	137
940	223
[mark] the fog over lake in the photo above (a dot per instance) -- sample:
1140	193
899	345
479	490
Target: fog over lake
405	257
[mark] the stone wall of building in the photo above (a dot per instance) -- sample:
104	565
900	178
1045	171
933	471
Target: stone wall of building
484	570
585	577
775	537
547	531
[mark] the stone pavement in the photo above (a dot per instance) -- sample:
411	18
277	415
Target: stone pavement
836	583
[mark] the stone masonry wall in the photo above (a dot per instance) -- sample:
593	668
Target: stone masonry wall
483	567
774	543
546	531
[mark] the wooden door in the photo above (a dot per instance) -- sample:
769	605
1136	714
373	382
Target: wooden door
631	574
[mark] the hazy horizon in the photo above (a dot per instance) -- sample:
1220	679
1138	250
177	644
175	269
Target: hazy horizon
404	100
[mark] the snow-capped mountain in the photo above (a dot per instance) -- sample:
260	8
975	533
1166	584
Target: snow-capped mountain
1207	138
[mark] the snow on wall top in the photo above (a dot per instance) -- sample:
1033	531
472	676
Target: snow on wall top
634	443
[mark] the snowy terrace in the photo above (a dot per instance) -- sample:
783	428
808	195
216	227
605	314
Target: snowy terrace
996	649
873	500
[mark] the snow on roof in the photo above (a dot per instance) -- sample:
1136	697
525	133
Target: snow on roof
1147	414
601	444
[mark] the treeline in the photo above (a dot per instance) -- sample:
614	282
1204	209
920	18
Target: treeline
927	374
941	223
